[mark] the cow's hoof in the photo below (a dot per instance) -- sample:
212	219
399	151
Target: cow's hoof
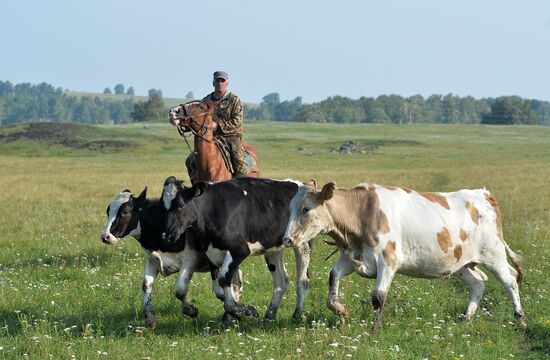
228	319
464	318
150	321
189	310
298	316
522	321
340	310
270	314
251	311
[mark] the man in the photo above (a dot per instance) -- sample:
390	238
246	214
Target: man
229	115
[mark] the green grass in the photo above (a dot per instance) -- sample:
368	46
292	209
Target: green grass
65	294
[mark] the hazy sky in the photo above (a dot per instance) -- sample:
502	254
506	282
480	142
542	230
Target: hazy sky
312	49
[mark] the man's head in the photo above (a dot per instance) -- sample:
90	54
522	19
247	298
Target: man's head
221	81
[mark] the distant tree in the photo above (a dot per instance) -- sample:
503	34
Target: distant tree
414	109
271	99
1	111
119	89
107	91
155	92
286	110
130	91
393	107
190	95
510	110
150	110
310	113
379	116
450	109
434	109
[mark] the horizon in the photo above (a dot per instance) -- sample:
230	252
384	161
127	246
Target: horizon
306	49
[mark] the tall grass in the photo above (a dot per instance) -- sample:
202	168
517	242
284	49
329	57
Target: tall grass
66	295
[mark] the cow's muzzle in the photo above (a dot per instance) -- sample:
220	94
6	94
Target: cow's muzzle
108	239
287	241
168	239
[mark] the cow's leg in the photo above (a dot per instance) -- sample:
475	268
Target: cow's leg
187	267
218	290
507	276
276	265
150	273
229	267
384	278
237	285
476	279
342	268
302	255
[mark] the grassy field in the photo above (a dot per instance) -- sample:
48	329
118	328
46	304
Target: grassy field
65	295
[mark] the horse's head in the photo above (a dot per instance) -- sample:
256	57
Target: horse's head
196	115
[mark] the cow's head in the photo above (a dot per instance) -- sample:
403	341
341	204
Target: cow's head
182	212
309	215
123	217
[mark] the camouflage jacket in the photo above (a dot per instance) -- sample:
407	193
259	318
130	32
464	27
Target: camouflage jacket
229	114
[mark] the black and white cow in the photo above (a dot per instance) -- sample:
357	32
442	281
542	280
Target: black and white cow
144	220
237	218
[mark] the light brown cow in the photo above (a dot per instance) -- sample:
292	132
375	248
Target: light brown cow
381	231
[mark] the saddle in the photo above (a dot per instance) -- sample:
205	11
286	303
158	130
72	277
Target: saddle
223	146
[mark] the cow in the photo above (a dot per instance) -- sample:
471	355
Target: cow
382	230
143	219
235	219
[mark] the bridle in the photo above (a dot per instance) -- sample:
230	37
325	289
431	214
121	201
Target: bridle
189	118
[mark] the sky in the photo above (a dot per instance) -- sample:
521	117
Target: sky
311	49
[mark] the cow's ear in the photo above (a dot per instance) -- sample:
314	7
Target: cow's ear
312	184
327	192
141	198
199	188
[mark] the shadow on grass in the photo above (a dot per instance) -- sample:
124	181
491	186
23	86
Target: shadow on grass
539	338
90	258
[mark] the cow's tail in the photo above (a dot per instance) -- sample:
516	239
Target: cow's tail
517	261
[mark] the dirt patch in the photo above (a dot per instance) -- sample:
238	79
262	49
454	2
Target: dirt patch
74	136
369	148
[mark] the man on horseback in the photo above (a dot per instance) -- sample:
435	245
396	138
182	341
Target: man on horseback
229	115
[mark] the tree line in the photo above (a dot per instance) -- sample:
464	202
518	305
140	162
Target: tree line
31	103
395	109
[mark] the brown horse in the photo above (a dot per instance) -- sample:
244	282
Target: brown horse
197	117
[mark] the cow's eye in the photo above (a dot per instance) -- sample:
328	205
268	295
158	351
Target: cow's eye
305	210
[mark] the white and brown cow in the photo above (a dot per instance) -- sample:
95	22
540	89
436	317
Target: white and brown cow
381	231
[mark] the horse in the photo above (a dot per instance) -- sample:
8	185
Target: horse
211	164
